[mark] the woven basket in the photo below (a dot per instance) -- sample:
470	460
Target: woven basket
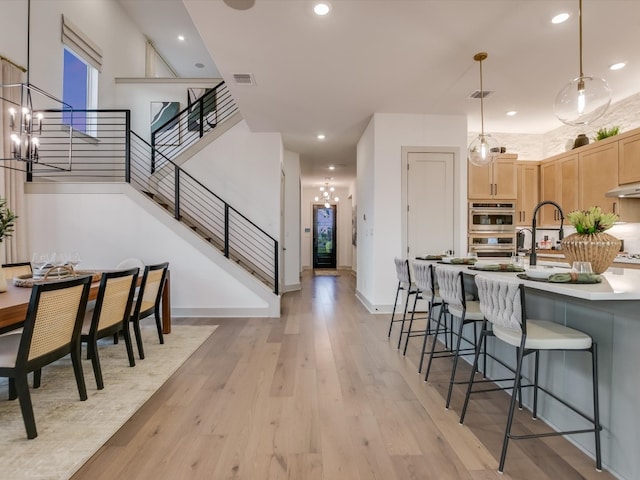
600	249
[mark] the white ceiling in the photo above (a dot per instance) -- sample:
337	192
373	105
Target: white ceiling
330	74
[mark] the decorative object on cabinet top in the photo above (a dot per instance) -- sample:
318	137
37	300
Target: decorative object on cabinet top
605	132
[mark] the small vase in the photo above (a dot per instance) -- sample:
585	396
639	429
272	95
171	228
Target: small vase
581	140
600	249
3	281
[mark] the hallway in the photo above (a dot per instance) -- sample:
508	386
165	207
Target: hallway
321	393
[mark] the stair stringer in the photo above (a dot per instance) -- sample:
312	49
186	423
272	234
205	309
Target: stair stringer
210	251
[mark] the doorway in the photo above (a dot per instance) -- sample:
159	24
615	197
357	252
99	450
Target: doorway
324	236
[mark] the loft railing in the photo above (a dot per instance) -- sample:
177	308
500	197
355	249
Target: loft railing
178	133
114	153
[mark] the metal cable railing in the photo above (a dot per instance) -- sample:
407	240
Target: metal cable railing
191	124
195	205
112	152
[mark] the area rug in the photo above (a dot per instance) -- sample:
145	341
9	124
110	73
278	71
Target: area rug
71	431
326	273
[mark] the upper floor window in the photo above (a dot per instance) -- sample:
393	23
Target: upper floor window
82	63
79	89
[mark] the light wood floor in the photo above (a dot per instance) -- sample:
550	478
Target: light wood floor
321	393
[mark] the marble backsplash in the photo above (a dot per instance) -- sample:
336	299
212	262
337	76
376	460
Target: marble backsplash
540	146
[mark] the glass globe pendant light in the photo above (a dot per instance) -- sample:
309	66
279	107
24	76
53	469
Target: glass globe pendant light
585	98
484	149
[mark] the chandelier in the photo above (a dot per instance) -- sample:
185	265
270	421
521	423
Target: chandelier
585	98
326	195
484	149
25	121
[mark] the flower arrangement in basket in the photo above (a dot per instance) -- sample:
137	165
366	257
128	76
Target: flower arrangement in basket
590	243
591	221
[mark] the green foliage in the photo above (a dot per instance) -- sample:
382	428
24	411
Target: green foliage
592	220
7	219
607	132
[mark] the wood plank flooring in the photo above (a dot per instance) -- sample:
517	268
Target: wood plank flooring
321	393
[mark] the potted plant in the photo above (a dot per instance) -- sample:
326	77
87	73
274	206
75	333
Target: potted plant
7	219
604	132
590	243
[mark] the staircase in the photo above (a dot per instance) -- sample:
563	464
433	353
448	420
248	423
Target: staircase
117	154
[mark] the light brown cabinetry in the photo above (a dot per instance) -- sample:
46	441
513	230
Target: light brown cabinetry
629	159
598	175
527	191
497	181
559	182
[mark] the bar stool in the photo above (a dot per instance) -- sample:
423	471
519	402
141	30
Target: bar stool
455	303
503	305
426	290
403	274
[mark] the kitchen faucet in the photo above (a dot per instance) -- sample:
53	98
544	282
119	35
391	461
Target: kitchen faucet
533	257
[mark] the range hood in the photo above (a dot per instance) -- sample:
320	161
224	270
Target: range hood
632	190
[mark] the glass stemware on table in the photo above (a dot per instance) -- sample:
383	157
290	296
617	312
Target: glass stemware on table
54	264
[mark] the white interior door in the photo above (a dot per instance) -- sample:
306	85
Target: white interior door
430	202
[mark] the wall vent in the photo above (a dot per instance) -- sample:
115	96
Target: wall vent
244	79
480	93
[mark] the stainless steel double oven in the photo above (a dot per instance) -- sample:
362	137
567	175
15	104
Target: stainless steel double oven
492	228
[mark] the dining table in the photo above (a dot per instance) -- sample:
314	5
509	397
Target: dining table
15	301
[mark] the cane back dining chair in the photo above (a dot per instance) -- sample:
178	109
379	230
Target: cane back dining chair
51	331
148	301
110	316
12	270
503	305
403	274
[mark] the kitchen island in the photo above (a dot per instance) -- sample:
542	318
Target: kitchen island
610	313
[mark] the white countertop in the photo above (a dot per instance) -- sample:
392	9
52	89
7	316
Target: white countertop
617	283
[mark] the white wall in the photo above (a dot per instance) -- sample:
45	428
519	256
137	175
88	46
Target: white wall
343	227
243	168
382	160
291	241
105	228
103	21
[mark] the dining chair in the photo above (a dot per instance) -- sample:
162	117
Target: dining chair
148	301
51	331
503	305
110	316
403	274
12	270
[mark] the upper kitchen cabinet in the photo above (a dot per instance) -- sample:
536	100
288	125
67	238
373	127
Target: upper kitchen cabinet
629	159
559	182
598	174
528	174
495	181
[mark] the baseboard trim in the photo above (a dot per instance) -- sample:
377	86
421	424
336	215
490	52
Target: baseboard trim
291	288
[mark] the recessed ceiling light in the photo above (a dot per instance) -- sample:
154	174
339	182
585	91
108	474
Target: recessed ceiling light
331	167
560	18
321	136
512	113
321	8
617	66
181	38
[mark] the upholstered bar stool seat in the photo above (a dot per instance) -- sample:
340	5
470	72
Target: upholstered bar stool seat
545	335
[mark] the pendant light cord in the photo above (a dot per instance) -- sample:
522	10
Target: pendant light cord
481	103
580	36
28	39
